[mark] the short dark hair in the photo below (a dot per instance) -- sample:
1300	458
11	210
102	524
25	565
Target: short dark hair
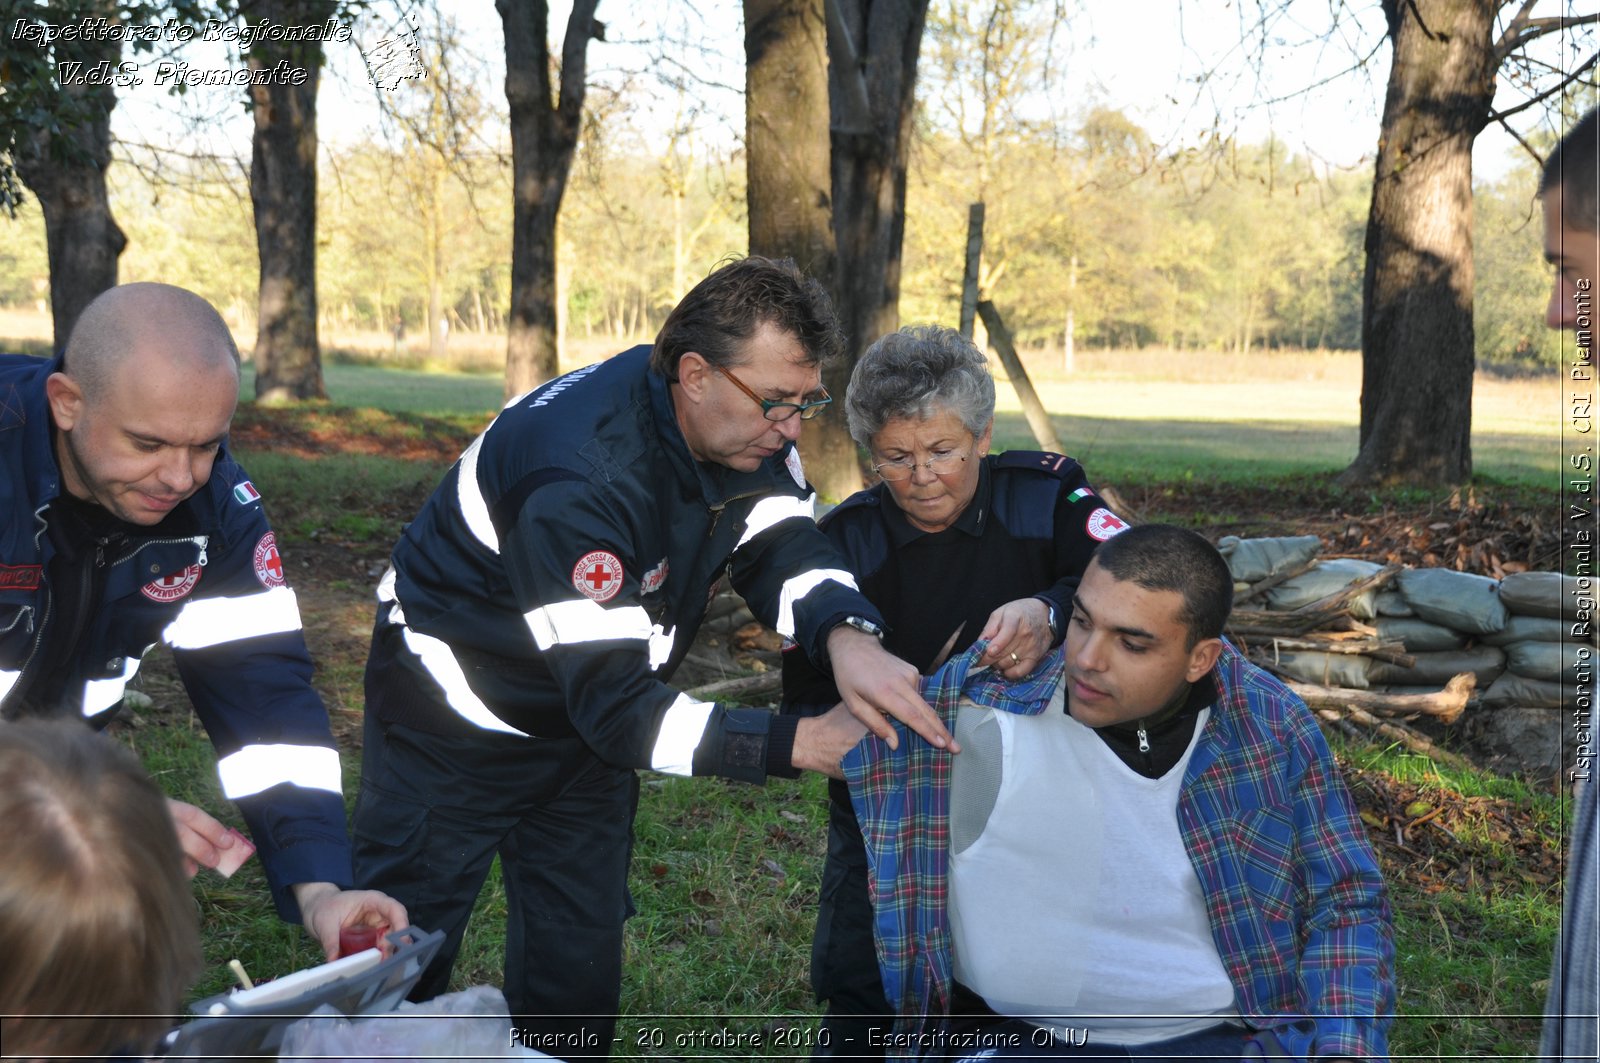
1162	557
1574	167
737	298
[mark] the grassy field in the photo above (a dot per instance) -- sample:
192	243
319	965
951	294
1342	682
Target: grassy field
725	876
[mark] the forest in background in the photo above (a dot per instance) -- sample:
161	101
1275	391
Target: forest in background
1245	249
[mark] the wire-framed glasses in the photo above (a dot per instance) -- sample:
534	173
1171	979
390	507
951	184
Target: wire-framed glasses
940	463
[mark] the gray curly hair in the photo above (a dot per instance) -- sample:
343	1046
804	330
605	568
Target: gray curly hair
917	372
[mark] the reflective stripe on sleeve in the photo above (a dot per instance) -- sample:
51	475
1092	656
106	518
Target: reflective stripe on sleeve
208	622
102	694
469	496
797	587
681	730
261	767
582	620
774	509
7	681
440	662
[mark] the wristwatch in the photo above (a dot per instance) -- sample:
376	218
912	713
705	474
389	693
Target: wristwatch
861	623
1053	618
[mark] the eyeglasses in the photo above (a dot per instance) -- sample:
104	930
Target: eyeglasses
780	411
940	463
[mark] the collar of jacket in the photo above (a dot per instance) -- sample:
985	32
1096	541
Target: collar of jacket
24	408
1230	711
719	484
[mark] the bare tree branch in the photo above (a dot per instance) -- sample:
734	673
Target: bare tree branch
1507	42
1532	29
1522	143
1576	75
581	25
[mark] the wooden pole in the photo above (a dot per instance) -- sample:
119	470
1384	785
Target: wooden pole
1032	408
969	273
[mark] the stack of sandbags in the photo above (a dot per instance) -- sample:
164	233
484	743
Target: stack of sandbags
1442	616
1509	634
1550	658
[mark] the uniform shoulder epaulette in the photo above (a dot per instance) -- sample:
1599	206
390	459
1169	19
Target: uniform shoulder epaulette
1057	465
859	500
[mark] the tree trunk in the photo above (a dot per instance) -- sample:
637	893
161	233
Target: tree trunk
787	163
872	76
544	131
66	170
283	191
1416	328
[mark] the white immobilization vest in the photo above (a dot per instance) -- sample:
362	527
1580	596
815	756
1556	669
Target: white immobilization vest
1073	903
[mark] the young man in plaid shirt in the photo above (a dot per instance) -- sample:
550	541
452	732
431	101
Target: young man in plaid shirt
1171	868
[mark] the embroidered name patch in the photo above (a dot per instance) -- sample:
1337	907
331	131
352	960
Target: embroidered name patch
1103	524
172	587
269	566
654	578
598	575
19	577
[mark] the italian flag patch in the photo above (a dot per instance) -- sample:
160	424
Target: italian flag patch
246	493
1079	494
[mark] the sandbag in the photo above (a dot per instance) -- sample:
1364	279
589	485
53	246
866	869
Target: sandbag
1391	602
1457	600
1485	662
1253	560
1347	670
1522	628
1545	593
1571	663
1419	636
1513	689
1328	577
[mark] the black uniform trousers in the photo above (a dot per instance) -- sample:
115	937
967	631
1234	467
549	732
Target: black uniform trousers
433	812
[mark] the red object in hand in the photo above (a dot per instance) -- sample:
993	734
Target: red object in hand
354	939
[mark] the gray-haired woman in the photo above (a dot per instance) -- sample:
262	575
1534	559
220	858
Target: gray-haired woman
954	544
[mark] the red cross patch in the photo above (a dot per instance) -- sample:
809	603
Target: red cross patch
598	575
172	587
269	566
1103	524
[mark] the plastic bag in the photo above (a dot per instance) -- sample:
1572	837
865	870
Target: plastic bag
1460	600
472	1025
1251	560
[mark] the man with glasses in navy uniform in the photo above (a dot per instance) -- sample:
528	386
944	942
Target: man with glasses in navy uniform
549	588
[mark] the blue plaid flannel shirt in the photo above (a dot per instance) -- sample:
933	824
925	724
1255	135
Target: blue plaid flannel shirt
1297	905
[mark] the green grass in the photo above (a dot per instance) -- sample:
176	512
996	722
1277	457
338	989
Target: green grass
1473	945
410	390
725	876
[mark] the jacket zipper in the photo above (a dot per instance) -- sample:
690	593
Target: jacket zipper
24	680
85	588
